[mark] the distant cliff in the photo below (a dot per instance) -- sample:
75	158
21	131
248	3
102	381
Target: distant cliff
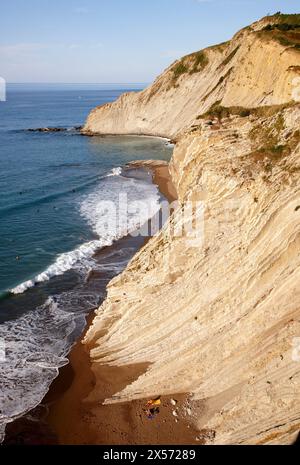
255	68
219	321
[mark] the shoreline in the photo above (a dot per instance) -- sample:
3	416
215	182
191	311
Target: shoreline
87	133
68	399
69	414
160	176
76	413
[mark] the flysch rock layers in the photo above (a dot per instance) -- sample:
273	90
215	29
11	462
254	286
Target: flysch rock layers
217	317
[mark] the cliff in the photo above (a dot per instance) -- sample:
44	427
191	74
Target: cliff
219	318
256	67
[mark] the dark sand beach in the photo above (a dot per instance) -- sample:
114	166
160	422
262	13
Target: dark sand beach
78	418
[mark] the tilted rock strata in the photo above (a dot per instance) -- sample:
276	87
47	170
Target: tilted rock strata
251	70
219	320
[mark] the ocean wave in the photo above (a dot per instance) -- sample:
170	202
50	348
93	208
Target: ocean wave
106	225
34	347
63	263
115	172
36	344
124	205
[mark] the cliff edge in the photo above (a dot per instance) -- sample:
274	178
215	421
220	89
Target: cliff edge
255	68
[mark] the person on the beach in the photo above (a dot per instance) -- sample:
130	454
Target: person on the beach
153	408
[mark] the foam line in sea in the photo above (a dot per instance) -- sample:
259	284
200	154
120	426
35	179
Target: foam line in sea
91	208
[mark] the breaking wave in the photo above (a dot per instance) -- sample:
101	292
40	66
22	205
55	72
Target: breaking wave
112	194
34	346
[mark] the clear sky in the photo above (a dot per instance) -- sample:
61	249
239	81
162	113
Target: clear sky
105	41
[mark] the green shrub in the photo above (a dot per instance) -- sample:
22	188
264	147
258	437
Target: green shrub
277	149
193	63
244	113
289	19
286	30
292	19
179	69
281	27
218	111
200	60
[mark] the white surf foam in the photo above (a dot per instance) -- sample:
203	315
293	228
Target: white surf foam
35	347
37	343
142	198
115	172
120	206
64	262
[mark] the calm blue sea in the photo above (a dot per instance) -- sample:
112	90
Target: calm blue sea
51	185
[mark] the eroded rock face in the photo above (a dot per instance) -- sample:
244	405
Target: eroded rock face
257	67
220	318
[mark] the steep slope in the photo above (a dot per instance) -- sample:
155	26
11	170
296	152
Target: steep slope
219	321
256	67
220	317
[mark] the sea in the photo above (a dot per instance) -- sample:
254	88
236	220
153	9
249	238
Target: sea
58	249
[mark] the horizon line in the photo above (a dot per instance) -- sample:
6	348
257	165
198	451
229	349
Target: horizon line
86	83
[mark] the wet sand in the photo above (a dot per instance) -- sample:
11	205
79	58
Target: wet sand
70	414
161	176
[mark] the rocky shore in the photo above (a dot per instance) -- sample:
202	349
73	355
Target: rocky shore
54	129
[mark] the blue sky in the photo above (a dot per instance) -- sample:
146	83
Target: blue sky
115	40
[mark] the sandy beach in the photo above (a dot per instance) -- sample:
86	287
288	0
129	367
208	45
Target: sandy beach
76	416
161	176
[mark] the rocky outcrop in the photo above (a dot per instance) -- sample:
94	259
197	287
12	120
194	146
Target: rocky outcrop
257	67
57	129
215	311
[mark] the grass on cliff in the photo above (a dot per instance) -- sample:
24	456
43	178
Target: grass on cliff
270	154
286	30
220	47
293	19
190	64
281	27
268	134
217	111
267	138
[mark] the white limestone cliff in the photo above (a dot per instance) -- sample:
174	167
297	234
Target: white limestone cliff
219	320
